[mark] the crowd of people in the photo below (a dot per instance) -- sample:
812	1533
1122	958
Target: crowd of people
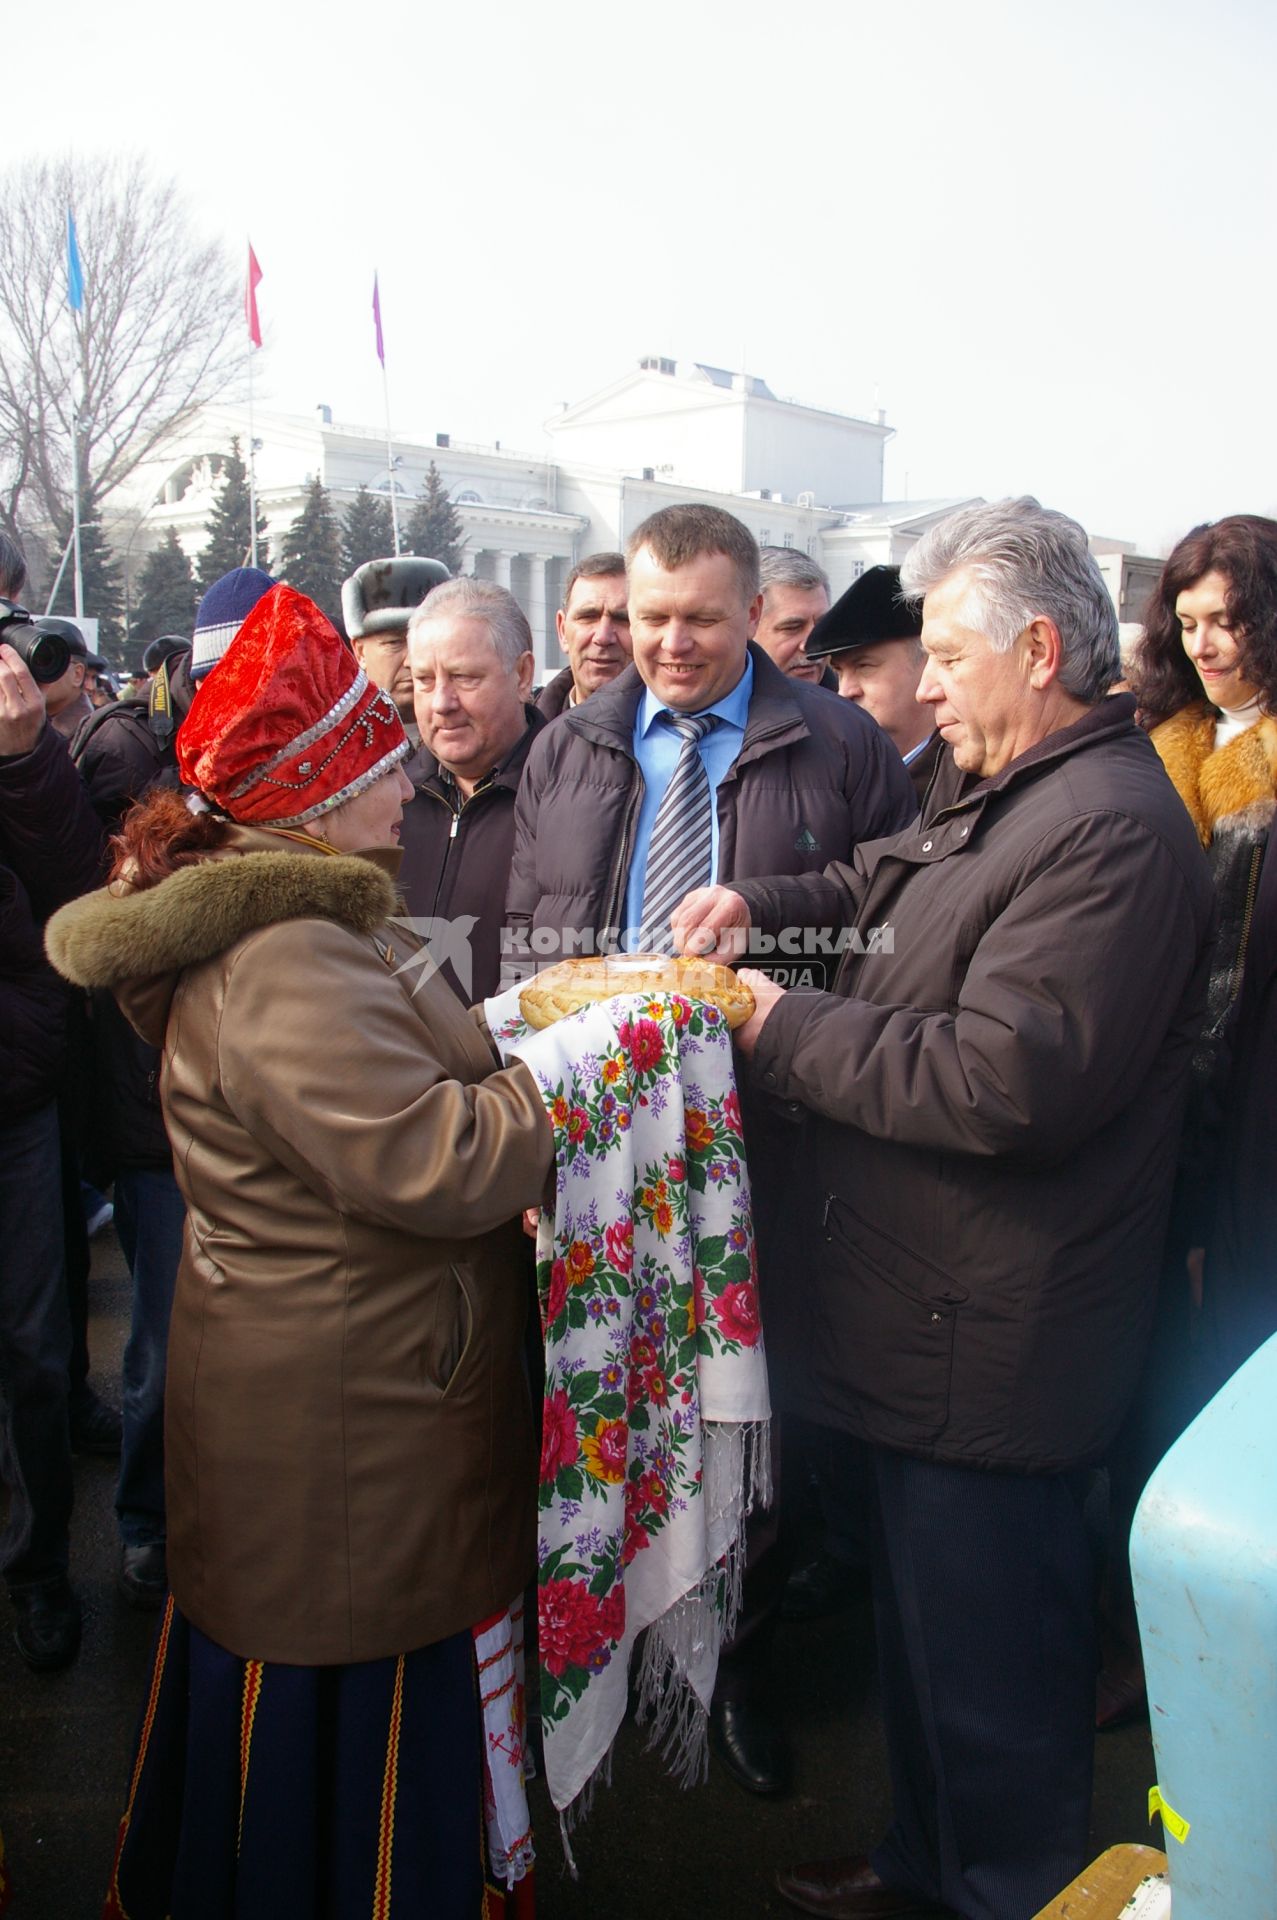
1004	905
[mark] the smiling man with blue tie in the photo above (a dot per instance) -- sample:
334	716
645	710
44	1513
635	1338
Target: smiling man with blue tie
702	757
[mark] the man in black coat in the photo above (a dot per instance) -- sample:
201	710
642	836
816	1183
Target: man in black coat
50	851
996	1093
790	775
125	749
122	752
872	638
470	652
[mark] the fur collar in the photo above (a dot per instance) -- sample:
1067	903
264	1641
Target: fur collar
106	939
1216	785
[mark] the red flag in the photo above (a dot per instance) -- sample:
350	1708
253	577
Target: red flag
376	317
250	298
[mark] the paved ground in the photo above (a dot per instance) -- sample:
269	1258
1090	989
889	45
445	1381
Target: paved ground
65	1739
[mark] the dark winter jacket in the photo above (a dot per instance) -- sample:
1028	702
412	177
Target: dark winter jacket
1240	1294
814	776
456	856
924	764
123	751
552	700
50	852
998	1082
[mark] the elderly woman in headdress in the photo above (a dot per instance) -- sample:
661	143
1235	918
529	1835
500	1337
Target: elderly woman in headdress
350	1465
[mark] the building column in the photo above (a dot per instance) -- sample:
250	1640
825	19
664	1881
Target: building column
538	612
505	561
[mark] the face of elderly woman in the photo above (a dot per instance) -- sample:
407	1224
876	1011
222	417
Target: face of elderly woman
371	819
1210	642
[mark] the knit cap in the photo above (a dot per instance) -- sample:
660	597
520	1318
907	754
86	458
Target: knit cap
221	614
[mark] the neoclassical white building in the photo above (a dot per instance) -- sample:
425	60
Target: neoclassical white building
666	431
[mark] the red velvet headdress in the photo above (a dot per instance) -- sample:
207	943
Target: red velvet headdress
289	726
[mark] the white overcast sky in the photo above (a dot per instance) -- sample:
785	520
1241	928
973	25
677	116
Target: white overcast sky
1040	236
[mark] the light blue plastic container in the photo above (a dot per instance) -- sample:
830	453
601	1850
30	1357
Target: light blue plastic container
1204	1565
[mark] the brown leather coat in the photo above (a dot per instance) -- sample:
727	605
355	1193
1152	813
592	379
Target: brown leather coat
349	1441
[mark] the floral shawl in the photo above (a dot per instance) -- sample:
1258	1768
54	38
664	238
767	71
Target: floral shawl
656	1409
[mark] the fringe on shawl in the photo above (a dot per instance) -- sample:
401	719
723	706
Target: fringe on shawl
737	1477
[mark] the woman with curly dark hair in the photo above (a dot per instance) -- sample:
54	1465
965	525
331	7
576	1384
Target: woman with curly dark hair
1207	685
1206	680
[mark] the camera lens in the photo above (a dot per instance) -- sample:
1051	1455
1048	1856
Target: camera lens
47	655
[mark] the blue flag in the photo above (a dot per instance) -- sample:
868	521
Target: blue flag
75	272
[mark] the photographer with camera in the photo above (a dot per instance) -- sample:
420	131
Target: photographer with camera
51	848
122	753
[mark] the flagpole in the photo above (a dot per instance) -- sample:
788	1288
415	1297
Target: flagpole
75	304
390	459
252	468
385	394
251	279
75	508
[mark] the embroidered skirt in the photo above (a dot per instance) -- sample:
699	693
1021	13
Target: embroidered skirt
260	1790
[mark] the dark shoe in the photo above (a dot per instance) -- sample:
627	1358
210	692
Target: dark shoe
95	1427
822	1587
144	1575
847	1889
746	1740
47	1628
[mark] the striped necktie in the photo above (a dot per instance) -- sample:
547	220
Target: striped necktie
678	856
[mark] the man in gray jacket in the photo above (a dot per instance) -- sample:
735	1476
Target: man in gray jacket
995	1087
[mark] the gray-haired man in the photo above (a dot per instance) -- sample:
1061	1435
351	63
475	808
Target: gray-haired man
995	1097
470	655
795	597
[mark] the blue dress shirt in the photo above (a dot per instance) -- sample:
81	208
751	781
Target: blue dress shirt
656	748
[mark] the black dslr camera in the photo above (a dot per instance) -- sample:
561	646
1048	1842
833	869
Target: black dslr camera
46	656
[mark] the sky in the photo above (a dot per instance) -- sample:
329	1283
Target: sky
1039	236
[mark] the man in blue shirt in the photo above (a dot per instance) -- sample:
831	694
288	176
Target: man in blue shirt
701	757
794	775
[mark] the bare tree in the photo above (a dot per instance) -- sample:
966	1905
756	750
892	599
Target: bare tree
153	342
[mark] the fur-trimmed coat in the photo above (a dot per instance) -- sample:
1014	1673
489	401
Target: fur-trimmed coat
1231	795
349	1445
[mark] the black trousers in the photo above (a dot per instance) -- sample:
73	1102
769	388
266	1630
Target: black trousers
984	1602
35	1342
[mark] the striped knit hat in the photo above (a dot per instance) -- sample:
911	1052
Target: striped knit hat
221	614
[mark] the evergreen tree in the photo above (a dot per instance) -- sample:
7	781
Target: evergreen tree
103	595
166	592
229	540
434	526
368	531
311	559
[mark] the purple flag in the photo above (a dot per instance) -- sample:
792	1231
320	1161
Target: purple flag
376	316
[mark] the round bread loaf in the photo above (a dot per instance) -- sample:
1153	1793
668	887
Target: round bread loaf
572	984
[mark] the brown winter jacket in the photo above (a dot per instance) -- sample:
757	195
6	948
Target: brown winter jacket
998	1087
348	1437
813	777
